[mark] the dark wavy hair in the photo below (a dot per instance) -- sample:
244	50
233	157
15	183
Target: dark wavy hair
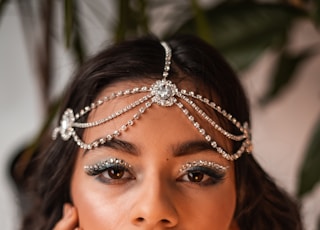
261	204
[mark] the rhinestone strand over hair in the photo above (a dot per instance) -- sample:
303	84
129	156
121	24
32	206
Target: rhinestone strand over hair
163	93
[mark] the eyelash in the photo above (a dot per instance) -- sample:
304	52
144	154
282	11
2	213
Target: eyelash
206	176
108	171
117	171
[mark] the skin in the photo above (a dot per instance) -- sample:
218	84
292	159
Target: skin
154	194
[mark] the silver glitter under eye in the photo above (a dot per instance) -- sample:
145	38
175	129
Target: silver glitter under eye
204	163
103	165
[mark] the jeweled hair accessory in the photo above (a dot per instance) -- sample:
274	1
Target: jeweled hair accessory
164	93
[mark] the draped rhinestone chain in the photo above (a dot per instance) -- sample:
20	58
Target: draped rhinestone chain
163	93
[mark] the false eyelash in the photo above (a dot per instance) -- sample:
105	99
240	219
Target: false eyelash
214	176
99	167
207	164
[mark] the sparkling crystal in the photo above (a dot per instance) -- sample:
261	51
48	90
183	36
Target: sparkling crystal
202	131
66	124
163	92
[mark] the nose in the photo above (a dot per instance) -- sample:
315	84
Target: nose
154	207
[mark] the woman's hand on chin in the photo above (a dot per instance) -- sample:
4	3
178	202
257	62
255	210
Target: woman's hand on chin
69	219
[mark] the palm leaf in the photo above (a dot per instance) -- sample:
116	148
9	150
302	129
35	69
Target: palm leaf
285	73
309	174
242	31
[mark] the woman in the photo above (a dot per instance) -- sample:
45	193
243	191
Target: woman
155	136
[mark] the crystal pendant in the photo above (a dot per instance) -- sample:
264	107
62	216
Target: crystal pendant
163	93
66	124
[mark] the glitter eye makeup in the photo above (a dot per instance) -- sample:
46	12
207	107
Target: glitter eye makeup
97	168
110	171
208	164
202	172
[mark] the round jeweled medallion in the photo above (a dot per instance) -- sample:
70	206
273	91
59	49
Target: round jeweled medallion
163	92
66	124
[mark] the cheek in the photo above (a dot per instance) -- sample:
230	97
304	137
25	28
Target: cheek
98	208
96	211
222	205
213	209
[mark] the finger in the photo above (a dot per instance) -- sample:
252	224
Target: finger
69	219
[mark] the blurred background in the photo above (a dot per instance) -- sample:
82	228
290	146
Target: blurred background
273	45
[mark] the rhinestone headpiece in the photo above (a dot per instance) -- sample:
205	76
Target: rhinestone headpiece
164	93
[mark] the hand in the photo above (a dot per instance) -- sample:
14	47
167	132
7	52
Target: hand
69	219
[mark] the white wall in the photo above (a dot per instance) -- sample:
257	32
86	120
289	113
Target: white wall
18	108
280	130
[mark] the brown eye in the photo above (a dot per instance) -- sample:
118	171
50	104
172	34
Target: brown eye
202	176
111	172
114	173
195	176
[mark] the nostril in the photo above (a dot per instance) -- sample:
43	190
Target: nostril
140	219
165	221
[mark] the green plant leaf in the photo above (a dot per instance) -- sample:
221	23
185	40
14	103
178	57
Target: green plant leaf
316	14
123	11
3	4
68	21
132	19
78	46
309	173
284	73
142	16
73	30
243	30
202	25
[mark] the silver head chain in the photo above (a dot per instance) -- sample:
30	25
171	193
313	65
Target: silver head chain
164	93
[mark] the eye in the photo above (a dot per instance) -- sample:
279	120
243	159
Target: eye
202	176
196	176
111	171
116	174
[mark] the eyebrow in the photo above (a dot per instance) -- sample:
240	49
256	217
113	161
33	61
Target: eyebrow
192	147
183	149
119	145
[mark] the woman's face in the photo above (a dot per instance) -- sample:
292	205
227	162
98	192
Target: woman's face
154	187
